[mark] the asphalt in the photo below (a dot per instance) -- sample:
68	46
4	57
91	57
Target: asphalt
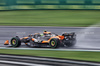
87	37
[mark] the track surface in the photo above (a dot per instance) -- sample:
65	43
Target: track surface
87	38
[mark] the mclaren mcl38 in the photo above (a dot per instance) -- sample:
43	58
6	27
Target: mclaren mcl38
46	39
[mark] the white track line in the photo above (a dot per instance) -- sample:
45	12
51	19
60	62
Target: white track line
90	50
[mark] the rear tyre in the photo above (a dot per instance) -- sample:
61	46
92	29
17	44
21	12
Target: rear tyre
15	42
54	43
71	43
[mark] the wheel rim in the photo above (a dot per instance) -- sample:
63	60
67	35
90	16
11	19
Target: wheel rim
14	42
53	43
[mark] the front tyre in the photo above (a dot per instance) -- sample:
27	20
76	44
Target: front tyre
54	43
15	42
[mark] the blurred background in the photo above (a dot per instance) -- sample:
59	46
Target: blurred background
83	16
74	13
49	4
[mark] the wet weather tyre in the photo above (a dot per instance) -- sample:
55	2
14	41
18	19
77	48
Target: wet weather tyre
71	43
54	43
15	42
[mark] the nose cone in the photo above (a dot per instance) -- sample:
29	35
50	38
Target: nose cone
6	42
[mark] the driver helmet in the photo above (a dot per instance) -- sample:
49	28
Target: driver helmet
46	33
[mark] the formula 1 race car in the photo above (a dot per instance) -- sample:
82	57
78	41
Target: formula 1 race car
47	39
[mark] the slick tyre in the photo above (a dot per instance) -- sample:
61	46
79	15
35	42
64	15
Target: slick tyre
15	42
54	43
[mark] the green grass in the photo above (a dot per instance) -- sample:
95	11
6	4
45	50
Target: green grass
77	55
49	18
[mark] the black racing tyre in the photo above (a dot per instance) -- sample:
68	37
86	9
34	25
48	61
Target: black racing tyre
71	43
54	43
15	42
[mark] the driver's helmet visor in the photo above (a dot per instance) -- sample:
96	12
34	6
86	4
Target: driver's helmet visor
47	33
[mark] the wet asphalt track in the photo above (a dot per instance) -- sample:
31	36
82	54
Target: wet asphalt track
87	38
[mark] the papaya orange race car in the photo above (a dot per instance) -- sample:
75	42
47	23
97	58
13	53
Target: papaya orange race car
47	39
